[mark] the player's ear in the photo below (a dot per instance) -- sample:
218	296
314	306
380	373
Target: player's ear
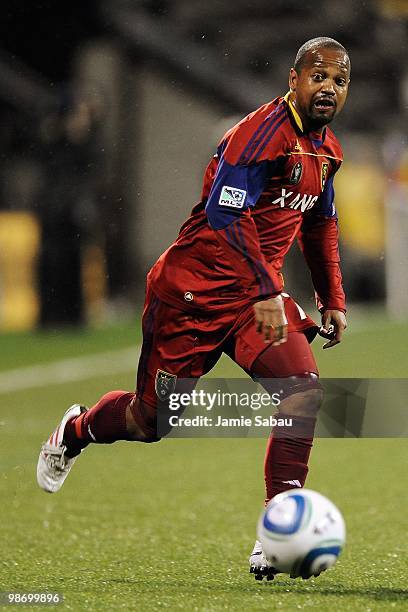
293	77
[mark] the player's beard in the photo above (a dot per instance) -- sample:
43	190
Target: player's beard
317	120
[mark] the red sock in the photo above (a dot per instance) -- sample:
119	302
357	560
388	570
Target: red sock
287	455
104	423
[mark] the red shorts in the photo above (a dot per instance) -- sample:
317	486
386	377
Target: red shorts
187	345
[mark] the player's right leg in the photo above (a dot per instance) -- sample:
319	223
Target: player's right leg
108	421
169	342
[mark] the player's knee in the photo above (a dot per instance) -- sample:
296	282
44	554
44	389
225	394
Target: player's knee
303	395
302	403
139	434
141	422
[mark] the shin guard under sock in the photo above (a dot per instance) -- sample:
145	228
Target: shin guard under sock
287	455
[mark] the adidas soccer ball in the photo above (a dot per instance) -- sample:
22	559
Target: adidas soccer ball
302	532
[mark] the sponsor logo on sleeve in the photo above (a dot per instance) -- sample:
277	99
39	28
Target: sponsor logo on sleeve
232	197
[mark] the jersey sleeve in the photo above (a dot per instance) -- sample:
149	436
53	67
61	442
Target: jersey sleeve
240	179
318	240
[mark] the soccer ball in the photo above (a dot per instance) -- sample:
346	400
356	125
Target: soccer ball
302	532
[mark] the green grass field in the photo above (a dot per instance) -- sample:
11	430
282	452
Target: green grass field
170	526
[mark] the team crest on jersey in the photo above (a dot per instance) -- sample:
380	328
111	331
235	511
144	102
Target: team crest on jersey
164	384
296	173
325	172
233	197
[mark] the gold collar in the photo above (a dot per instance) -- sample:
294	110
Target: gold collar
294	112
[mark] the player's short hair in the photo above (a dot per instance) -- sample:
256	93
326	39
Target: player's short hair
316	43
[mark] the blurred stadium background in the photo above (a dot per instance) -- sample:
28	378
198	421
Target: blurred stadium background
110	110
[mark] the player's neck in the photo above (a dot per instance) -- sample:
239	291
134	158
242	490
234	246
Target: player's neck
313	130
307	126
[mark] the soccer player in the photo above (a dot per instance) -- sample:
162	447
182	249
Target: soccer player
219	288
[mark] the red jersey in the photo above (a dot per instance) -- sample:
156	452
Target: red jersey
269	183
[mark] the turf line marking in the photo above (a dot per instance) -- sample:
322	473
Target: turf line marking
70	370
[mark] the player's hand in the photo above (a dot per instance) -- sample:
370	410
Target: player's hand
271	320
333	325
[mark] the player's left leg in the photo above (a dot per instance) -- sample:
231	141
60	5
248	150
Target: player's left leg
288	448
